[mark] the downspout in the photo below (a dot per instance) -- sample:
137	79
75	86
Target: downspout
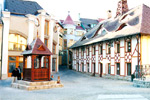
1	49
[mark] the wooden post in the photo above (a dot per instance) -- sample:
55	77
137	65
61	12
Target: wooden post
32	67
40	61
49	67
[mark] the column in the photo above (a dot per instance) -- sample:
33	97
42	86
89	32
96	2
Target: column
5	34
42	27
31	19
51	39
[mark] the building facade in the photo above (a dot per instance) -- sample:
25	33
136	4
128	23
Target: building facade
115	46
23	21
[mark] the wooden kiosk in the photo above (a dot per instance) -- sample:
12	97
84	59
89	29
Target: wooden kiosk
38	53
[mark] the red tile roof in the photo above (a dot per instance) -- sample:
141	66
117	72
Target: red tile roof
69	20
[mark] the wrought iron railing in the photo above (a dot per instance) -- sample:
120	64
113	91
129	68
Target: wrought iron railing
142	71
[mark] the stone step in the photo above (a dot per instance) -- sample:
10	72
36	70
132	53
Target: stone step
37	87
36	83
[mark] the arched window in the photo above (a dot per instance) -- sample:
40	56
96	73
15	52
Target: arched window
17	42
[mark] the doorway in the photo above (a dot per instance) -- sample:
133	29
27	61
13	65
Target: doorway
54	64
14	62
101	69
93	69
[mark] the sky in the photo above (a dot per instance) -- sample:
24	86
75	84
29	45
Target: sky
93	9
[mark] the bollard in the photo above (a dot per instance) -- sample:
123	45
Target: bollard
58	80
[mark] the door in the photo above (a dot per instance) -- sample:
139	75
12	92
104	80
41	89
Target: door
14	62
93	69
118	68
54	64
82	67
101	69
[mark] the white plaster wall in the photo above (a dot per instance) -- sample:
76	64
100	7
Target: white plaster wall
6	21
122	66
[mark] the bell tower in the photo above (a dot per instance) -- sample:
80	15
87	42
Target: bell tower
122	7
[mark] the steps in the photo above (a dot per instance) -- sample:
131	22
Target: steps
26	85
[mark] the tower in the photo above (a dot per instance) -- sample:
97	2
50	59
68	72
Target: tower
122	7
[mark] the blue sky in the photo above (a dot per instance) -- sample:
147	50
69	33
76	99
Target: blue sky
87	8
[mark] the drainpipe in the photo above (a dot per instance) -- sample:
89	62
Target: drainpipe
137	37
1	49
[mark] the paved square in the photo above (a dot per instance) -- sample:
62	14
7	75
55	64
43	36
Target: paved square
78	86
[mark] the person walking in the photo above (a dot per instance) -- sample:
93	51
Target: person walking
15	73
19	73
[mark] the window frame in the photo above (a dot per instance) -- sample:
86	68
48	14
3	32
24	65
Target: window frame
100	51
46	28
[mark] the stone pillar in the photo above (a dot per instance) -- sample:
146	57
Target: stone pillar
57	48
42	27
31	22
6	21
51	38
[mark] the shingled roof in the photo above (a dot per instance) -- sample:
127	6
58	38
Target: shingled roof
135	21
37	47
22	7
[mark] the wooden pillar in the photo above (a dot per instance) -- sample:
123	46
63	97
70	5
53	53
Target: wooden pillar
32	67
49	67
40	61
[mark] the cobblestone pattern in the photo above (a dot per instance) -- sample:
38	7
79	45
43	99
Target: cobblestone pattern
141	83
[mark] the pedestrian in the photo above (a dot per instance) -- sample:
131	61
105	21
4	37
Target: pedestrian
19	73
15	74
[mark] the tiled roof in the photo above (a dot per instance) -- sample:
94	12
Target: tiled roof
69	20
37	47
135	21
22	7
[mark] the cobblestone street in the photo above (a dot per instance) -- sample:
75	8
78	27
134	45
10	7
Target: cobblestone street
78	86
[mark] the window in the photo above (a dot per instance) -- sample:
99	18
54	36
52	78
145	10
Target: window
82	51
128	46
54	48
77	50
101	49
109	48
118	47
17	42
128	68
93	50
46	31
109	68
65	43
118	68
45	63
65	31
46	42
87	51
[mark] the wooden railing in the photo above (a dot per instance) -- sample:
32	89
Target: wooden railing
40	74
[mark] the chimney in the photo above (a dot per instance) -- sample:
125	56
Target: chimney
109	14
122	7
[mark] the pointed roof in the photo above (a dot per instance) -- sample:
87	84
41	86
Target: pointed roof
69	20
37	47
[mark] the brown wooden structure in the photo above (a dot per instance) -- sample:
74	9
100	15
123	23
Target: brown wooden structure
37	50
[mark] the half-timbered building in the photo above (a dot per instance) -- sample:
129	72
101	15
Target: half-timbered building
115	46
